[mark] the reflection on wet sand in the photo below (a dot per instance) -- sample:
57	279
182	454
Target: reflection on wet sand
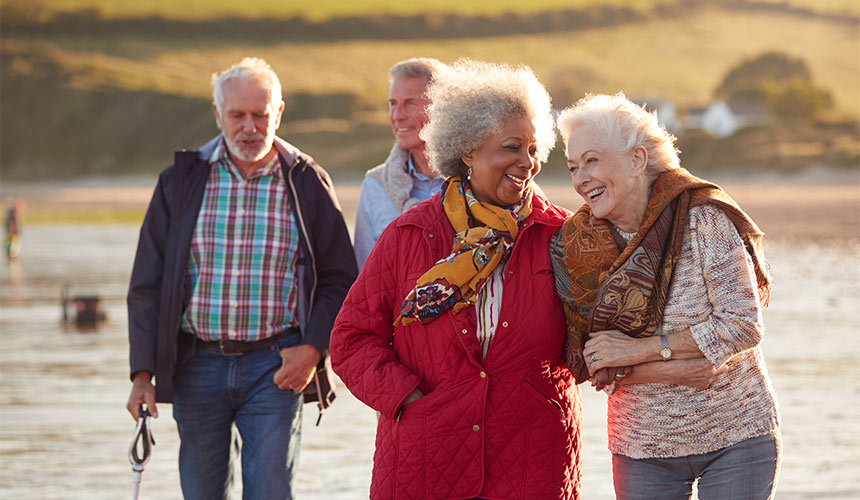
64	431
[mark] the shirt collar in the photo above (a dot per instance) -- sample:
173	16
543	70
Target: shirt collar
220	156
410	167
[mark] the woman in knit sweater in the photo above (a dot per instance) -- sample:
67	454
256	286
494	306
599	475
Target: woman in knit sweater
663	279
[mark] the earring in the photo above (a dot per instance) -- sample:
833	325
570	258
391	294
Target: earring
469	173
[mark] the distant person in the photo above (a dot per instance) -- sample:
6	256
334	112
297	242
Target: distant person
453	330
663	280
406	178
13	228
242	264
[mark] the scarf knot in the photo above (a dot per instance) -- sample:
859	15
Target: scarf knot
485	238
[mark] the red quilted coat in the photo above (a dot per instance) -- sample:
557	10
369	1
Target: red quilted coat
503	427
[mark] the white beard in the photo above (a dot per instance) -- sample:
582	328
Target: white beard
249	154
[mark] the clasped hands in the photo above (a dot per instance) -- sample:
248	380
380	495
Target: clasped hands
611	355
608	357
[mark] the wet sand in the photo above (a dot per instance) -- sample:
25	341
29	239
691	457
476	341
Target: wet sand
64	432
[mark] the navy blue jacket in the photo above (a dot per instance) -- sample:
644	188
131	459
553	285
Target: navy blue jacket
158	294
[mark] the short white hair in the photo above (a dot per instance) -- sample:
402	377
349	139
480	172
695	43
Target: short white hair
248	69
470	100
623	125
416	67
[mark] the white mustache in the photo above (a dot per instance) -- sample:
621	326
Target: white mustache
252	137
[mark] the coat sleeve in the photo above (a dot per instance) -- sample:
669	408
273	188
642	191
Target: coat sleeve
334	260
144	293
361	343
366	221
735	323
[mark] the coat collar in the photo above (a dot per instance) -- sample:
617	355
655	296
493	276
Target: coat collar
288	153
543	212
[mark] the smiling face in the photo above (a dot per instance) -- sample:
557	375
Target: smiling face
407	107
613	184
248	120
505	164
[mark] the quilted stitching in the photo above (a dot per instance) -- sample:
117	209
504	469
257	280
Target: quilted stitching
521	449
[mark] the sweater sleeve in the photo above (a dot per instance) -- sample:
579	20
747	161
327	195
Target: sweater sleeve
735	323
362	351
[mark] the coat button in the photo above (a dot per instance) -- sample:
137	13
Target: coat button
476	428
429	235
464	331
483	374
505	324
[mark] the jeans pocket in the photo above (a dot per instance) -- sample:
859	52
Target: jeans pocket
184	353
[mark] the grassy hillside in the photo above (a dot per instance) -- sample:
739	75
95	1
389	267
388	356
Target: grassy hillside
122	102
325	9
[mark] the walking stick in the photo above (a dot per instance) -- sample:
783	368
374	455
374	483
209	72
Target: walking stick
142	435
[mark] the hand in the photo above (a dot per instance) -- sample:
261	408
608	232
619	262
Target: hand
142	392
609	348
413	396
697	373
298	365
606	376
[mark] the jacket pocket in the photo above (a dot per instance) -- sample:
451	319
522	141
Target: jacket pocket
544	466
550	403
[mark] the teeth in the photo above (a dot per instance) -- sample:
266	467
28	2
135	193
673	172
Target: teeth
596	191
516	180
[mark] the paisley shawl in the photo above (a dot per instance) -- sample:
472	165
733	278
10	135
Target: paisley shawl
614	285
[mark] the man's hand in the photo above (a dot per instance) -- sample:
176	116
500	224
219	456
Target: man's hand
297	367
142	392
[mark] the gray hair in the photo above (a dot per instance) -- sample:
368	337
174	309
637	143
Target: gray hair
471	100
624	126
248	69
417	67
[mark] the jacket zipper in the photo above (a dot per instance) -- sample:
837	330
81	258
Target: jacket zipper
307	238
560	410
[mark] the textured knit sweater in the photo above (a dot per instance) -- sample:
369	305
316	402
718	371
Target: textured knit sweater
713	292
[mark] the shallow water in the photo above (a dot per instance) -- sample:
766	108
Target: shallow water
64	431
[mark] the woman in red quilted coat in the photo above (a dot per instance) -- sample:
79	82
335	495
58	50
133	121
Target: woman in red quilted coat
453	331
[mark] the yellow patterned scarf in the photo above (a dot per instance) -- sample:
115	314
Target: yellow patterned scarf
485	237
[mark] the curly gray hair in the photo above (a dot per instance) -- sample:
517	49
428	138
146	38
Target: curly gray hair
470	100
624	125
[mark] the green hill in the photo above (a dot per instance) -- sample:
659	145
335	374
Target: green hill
116	91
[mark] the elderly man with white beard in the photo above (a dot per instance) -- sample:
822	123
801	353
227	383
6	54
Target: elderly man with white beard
242	264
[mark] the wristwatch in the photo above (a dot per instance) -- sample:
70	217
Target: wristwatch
665	351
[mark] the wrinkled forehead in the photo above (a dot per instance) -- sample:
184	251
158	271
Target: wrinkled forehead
245	91
582	138
408	87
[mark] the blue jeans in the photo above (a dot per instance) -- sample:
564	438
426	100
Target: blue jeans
212	392
743	471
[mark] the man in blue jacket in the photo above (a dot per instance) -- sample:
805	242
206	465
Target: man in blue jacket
242	264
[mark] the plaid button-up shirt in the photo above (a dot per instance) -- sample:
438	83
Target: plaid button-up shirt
242	262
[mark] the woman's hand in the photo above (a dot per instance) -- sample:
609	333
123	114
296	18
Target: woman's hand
609	348
413	396
696	373
606	376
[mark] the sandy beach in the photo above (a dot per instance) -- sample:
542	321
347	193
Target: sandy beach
64	432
